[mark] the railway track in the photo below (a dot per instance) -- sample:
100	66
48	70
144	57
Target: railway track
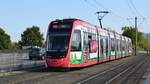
29	75
118	74
106	73
134	75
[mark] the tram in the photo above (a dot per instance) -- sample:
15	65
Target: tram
73	43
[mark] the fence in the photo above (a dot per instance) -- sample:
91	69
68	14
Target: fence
11	60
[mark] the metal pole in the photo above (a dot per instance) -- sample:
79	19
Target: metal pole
100	17
147	43
136	29
100	22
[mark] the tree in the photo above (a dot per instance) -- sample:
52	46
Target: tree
15	45
131	33
31	37
4	39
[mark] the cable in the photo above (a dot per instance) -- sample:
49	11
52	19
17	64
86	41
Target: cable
128	4
130	21
135	8
102	6
142	21
134	11
113	13
90	4
99	4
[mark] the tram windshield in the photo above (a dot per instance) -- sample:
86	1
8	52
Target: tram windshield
58	42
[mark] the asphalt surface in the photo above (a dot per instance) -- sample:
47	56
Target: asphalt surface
130	70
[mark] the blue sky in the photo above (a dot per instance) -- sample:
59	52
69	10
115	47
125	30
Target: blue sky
17	15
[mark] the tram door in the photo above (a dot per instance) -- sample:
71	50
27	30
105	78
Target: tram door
103	48
85	46
88	55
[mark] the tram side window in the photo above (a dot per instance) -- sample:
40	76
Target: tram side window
107	46
126	46
112	44
101	44
130	45
123	45
93	36
118	45
107	43
85	42
115	45
118	49
76	41
88	37
104	43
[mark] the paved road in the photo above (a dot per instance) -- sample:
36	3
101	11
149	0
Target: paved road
147	76
86	75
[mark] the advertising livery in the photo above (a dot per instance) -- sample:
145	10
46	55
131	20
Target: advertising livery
73	43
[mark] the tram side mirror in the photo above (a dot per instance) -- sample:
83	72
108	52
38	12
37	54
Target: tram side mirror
93	46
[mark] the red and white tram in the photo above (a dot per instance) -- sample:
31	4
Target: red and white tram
73	43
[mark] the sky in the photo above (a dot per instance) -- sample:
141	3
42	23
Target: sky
17	15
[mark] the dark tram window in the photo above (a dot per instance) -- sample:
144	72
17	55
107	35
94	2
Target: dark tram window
118	45
130	46
104	45
87	39
123	45
85	42
76	41
107	43
101	44
107	40
112	44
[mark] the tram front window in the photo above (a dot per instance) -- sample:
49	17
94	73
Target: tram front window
58	44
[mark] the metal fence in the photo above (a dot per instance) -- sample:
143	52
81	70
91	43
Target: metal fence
11	60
